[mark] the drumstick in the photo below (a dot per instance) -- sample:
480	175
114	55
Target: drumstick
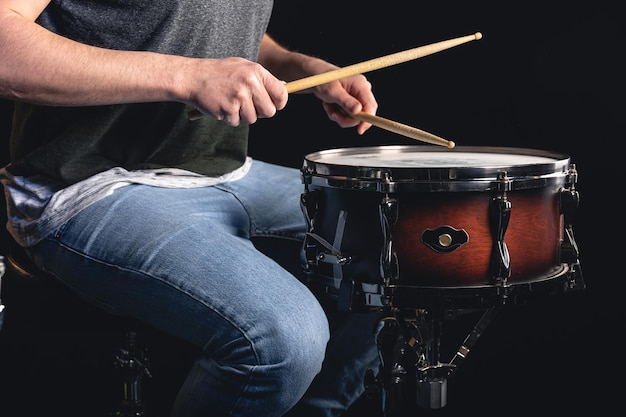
401	129
378	63
370	65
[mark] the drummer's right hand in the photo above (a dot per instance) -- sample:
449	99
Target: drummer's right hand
234	90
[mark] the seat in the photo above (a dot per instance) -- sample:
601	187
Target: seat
58	348
61	355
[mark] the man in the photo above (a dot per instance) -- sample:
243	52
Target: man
113	190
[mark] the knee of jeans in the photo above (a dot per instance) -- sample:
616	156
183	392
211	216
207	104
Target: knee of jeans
298	343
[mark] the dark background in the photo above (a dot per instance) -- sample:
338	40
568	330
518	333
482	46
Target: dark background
546	75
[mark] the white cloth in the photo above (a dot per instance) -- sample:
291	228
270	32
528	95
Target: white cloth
37	206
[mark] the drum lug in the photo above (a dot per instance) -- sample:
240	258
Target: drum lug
499	215
309	206
569	200
572	176
568	203
388	212
569	248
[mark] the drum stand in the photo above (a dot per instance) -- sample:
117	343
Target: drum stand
410	369
133	363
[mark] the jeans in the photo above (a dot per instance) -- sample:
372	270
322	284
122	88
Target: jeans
218	267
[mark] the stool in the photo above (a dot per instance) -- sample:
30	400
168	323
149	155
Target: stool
59	353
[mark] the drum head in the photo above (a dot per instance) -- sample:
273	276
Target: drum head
434	168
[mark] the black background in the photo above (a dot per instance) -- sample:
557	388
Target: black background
546	75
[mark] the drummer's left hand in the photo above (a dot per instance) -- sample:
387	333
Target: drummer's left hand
353	94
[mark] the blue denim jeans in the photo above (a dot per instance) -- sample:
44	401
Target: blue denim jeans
218	267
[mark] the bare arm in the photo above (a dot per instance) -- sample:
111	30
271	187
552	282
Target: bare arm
353	94
41	67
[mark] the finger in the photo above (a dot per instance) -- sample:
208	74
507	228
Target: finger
248	114
276	92
264	106
363	127
232	118
341	117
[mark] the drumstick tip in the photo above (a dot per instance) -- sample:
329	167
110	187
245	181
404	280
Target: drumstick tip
478	35
451	144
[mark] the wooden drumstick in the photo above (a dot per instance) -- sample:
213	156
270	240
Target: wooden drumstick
378	63
367	66
402	129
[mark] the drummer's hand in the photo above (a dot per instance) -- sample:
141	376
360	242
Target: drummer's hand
353	94
233	89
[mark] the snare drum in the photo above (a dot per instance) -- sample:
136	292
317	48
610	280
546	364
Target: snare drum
397	217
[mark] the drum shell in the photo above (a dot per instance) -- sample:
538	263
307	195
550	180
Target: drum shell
533	236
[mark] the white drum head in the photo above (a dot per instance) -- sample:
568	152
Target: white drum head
433	168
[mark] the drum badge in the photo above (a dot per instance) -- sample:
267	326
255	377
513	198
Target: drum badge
444	239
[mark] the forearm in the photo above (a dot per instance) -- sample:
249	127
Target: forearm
353	94
41	67
289	65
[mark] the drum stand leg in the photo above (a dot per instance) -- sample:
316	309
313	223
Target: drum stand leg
134	365
410	370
